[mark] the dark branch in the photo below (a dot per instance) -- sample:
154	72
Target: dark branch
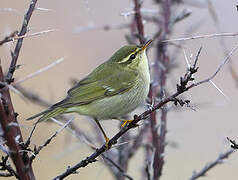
234	145
7	167
139	22
12	135
8	38
17	49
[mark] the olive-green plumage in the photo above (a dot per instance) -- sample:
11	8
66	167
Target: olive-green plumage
113	89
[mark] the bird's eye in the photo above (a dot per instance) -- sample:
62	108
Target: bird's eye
133	56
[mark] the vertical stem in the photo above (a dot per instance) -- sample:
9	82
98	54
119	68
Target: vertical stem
12	134
139	22
123	156
160	77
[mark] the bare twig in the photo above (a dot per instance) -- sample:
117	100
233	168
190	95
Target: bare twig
210	165
23	31
91	27
201	37
234	145
227	58
8	38
5	166
14	37
122	172
33	34
138	141
39	71
37	150
35	98
11	131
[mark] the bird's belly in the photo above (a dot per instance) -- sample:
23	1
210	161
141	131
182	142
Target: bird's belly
118	105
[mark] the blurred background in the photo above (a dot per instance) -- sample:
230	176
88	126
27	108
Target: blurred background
194	137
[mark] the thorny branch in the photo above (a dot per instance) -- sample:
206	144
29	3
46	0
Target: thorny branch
181	88
70	127
234	145
5	166
8	117
23	31
12	134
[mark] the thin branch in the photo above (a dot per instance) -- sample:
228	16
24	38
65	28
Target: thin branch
33	34
219	90
23	31
210	165
138	141
14	37
122	172
227	58
39	71
8	38
37	150
35	98
201	37
91	27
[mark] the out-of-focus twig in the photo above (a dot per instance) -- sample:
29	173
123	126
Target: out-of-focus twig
210	165
120	169
39	71
37	150
201	37
138	19
33	97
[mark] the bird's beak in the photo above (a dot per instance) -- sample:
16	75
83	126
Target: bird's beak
146	44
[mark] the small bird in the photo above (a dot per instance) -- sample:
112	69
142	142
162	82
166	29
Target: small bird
115	88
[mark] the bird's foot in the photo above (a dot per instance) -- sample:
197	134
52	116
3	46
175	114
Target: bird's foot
125	122
107	143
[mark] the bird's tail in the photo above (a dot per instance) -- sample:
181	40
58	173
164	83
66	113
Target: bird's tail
49	113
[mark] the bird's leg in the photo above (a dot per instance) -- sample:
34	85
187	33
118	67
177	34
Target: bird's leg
103	132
